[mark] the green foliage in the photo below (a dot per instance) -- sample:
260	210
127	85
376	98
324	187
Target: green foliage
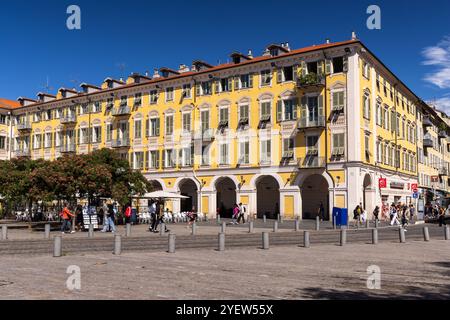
310	79
99	174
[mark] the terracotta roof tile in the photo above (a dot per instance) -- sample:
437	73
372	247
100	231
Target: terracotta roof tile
8	104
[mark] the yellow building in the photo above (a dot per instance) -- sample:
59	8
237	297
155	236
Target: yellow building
281	133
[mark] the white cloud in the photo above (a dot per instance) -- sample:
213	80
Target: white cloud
443	104
439	57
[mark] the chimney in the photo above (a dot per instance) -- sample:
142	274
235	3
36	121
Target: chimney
266	53
327	41
183	68
146	73
250	53
354	35
286	45
156	74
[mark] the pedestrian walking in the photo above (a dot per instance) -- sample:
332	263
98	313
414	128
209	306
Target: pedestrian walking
241	215
153	217
376	212
109	222
412	213
192	217
128	214
235	214
356	215
66	216
161	217
441	218
79	218
393	215
404	220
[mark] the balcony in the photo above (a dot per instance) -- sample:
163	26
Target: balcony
121	111
427	122
306	123
69	119
121	143
26	126
67	148
311	162
442	134
443	171
205	135
428	143
311	80
23	153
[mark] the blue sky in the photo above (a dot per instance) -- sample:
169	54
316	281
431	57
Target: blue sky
120	37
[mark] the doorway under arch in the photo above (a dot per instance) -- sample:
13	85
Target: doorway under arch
314	193
267	197
367	194
189	189
156	185
226	196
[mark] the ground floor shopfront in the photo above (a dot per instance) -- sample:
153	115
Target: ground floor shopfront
286	191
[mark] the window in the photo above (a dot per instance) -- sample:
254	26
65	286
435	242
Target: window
154	160
265	151
224	85
154	127
58	139
378	82
123	101
48	140
37	117
187	91
109	132
367	148
338	101
187	122
312	67
3	118
312	113
138	99
287	110
366	106
338	145
288	148
138	160
169	125
138	129
244	152
312	146
97	107
109	103
169	94
243	114
223	117
205	155
246	81
265	110
366	70
153	97
97	134
2	143
223	154
204	120
266	78
187	156
84	135
205	88
37	141
338	65
169	159
285	74
379	118
84	108
48	115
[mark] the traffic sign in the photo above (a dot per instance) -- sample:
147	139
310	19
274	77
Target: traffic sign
415	195
414	187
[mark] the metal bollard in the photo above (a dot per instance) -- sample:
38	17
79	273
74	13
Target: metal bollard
265	240
367	224
194	228
172	242
47	231
280	219
162	229
224	227
401	233
343	237
334	222
117	245
218	218
250	227
128	230
374	236
264	218
91	231
297	225
4	232
221	241
57	246
306	242
426	234
447	233
317	223
376	223
275	226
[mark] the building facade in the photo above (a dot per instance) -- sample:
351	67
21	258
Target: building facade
283	133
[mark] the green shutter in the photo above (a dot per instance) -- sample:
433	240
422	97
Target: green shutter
295	108
158	121
158	157
197	90
163	159
327	66
99	138
236	83
303	108
147	127
393	121
250	80
320	67
320	105
280	75
279	110
192	155
294	72
345	64
230	84
303	68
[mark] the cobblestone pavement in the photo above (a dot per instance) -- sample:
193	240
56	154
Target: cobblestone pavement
414	270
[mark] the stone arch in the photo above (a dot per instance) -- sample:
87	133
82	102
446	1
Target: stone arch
267	196
226	195
256	177
188	187
216	178
158	183
314	188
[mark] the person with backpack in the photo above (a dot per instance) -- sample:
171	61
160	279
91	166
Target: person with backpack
66	216
241	215
109	222
376	212
152	211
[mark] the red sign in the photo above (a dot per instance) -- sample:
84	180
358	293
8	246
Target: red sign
382	183
434	178
414	187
